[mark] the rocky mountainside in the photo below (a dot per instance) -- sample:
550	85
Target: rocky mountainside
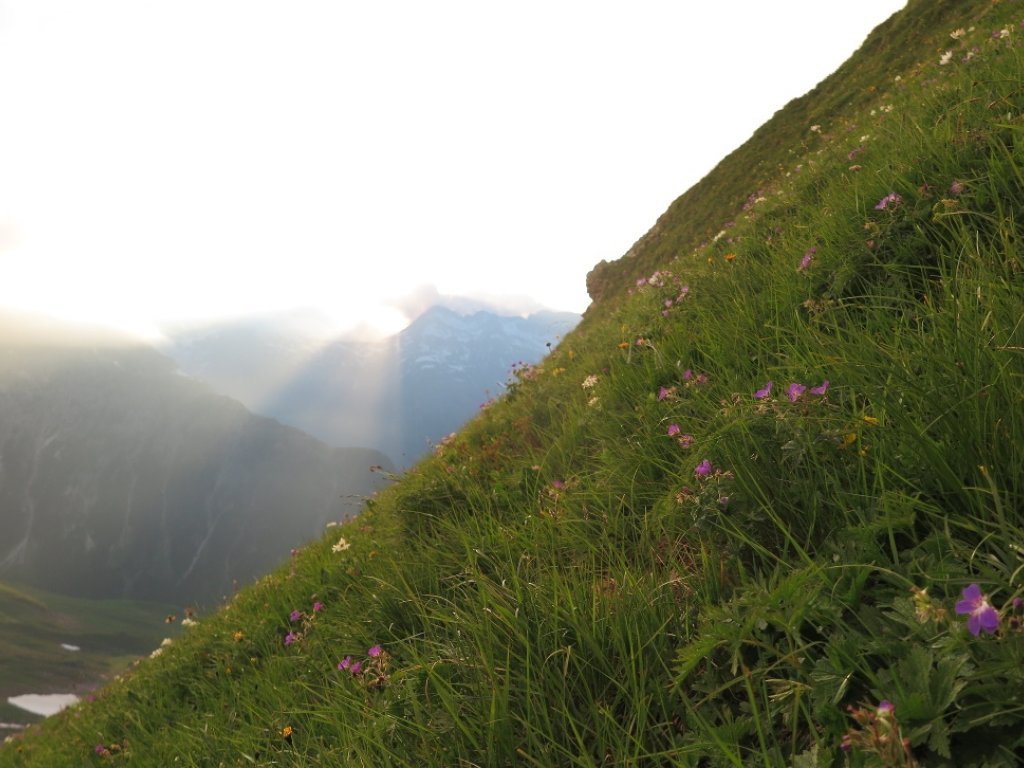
397	395
121	477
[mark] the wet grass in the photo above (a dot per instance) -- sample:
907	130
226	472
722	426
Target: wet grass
645	555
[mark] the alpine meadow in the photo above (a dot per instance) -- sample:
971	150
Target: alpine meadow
763	506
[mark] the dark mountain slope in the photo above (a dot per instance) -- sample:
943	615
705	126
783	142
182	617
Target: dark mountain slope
120	477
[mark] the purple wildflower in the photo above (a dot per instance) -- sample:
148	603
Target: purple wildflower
345	663
290	638
957	188
295	616
820	390
885	708
808	256
663	392
356	668
703	469
979	611
673	430
794	390
374	652
891	198
762	393
687	374
318	606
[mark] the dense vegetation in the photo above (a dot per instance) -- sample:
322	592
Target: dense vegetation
763	507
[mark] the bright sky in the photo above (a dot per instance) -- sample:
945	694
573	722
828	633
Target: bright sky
162	160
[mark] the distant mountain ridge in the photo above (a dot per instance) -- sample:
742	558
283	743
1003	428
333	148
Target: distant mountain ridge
397	395
121	477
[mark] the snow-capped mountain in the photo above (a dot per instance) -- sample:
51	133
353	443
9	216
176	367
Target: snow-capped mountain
397	395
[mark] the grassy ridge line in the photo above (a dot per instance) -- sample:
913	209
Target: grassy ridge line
645	555
894	48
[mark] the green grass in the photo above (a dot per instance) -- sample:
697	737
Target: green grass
560	586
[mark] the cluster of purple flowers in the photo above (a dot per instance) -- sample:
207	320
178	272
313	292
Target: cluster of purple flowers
296	615
376	663
890	200
794	391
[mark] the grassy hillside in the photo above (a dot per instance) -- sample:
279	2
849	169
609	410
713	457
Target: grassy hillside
763	507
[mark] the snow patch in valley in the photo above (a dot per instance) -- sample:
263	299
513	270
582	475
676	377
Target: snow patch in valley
44	704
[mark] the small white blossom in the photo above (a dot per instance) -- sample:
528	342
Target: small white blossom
590	382
341	546
956	34
945	58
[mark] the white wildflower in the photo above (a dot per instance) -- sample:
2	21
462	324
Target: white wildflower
590	382
341	546
945	58
815	129
956	34
187	622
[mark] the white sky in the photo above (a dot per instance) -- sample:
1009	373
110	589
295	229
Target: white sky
164	160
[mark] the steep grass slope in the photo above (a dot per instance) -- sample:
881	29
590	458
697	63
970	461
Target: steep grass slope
762	508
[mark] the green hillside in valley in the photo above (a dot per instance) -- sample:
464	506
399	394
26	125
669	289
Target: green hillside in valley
55	644
764	506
